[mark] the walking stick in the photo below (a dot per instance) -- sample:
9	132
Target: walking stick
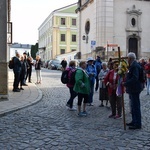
123	109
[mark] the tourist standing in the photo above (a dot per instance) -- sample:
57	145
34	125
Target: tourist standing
38	69
103	92
147	71
111	81
91	71
29	69
134	87
98	66
82	87
17	71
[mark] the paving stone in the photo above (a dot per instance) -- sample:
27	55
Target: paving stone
49	125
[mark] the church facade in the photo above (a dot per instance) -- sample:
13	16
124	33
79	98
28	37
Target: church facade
106	24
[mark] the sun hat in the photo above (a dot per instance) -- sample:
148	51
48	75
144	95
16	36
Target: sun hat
90	59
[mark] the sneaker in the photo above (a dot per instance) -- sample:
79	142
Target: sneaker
111	116
68	105
90	104
117	117
72	109
80	114
101	105
84	113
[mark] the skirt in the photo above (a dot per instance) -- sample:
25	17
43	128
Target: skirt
103	94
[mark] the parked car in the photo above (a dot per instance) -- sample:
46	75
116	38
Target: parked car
45	65
54	64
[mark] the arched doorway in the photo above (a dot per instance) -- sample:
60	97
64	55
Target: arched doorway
133	45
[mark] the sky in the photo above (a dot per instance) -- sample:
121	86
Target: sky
28	15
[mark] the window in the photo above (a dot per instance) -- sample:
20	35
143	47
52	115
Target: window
74	22
62	51
62	37
73	50
63	21
73	38
133	22
87	27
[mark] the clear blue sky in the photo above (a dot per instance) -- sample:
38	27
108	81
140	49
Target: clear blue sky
28	15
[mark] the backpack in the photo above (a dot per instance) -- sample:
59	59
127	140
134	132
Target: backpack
142	76
11	63
72	77
64	77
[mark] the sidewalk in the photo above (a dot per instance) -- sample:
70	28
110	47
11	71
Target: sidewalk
17	100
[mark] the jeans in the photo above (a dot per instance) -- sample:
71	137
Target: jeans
73	94
135	109
38	75
91	93
148	85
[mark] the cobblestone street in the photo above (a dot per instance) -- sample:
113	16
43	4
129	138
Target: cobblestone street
49	125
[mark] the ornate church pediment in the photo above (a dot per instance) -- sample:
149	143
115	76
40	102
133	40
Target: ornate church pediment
134	11
133	19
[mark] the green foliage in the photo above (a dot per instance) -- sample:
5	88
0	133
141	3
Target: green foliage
34	50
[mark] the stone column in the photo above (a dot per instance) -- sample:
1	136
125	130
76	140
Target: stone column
3	51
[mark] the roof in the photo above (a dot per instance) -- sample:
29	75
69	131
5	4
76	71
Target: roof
18	45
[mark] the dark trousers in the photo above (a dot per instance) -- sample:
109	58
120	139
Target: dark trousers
73	94
91	93
29	72
115	102
25	76
97	83
16	80
82	97
135	109
21	78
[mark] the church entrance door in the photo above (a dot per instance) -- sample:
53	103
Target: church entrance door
133	46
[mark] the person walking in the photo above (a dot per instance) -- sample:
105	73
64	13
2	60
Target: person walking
82	87
38	69
64	64
71	69
134	87
103	92
91	71
98	66
17	71
111	81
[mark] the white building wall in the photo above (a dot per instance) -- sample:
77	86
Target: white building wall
88	15
108	23
120	35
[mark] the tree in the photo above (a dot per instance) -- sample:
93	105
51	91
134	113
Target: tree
34	50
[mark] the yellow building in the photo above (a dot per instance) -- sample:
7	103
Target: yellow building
58	33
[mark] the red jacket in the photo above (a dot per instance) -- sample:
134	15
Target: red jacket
110	83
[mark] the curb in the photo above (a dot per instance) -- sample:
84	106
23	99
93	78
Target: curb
6	112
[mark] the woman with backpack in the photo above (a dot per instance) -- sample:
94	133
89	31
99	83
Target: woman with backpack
71	70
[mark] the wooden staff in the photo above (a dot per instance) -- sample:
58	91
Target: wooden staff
123	109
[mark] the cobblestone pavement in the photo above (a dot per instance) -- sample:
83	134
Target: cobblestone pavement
48	125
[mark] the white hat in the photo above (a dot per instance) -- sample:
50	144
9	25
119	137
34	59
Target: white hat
90	59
